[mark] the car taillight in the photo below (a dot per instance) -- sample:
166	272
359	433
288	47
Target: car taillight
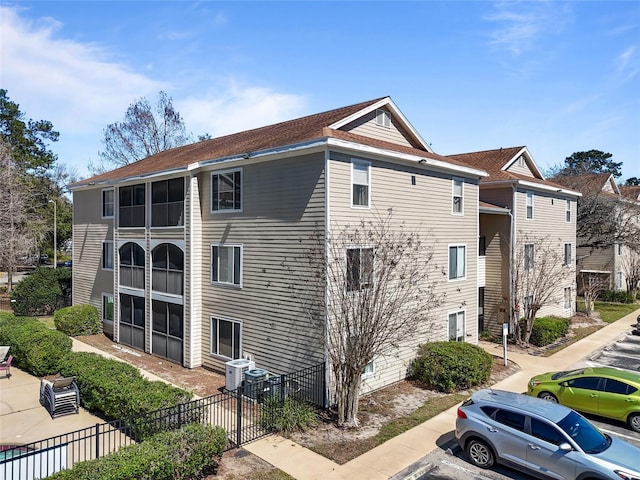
461	414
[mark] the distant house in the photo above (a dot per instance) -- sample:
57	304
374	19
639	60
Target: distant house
195	254
604	259
517	206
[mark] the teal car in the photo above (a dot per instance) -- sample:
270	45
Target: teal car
604	391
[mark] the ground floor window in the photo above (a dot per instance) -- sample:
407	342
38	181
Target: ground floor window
225	337
457	326
107	307
567	298
132	320
369	369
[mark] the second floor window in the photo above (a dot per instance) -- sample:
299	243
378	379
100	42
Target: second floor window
168	266
108	199
132	265
457	195
360	183
457	262
529	255
226	263
567	213
107	255
167	203
359	268
226	191
567	255
131	206
529	205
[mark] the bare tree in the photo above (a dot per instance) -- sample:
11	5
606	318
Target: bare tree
143	132
536	273
592	284
378	280
631	268
15	221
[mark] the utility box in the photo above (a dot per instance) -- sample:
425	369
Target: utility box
255	383
235	370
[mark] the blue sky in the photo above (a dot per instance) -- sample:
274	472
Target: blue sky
558	77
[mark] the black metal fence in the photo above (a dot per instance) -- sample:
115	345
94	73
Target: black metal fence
240	413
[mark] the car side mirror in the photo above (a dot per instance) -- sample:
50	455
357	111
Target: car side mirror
565	447
563	384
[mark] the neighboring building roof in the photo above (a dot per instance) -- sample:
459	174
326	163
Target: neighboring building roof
497	163
631	192
293	132
590	183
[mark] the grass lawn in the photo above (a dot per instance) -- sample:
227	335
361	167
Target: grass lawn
610	312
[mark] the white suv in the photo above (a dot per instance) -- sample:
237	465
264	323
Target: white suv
544	439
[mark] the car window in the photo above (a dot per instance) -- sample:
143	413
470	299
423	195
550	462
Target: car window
488	410
510	419
588	383
616	386
588	437
546	432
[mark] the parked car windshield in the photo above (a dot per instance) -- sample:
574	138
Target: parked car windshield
566	373
588	437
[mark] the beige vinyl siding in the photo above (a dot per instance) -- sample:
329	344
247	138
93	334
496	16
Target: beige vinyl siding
502	197
89	231
283	208
426	207
521	170
496	229
366	126
549	220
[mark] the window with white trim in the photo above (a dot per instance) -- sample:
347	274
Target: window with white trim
226	264
567	298
108	202
529	256
529	205
167	203
457	196
567	255
132	265
226	191
369	369
567	211
107	307
359	268
457	262
383	119
131	206
360	192
619	280
225	338
457	326
167	262
107	255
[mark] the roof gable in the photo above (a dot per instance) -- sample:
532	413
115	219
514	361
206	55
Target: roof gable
590	183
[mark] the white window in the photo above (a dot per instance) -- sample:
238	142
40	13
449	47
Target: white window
529	205
226	191
619	280
107	307
383	118
108	203
225	338
457	326
457	262
568	211
567	298
226	264
529	256
360	183
457	196
107	255
359	268
369	369
567	255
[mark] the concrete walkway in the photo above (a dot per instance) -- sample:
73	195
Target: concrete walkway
400	452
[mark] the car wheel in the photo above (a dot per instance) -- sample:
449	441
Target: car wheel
480	454
549	397
634	422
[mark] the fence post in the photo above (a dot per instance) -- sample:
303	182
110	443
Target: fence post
239	416
97	440
180	416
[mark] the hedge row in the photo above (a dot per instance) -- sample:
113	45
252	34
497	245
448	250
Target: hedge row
451	366
547	330
191	452
108	388
78	320
35	348
617	296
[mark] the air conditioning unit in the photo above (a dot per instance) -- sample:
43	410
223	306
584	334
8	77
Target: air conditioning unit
234	372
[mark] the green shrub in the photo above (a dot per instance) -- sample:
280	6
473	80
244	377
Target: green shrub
35	348
191	452
115	389
287	416
78	320
36	293
547	330
451	366
617	296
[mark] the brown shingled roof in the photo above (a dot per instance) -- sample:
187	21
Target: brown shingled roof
290	132
588	183
631	192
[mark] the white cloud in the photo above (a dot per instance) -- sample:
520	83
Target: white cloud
627	63
234	108
77	86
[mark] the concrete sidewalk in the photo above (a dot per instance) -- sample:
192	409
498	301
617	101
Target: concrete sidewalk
404	450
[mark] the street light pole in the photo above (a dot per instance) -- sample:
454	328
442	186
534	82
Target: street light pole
55	233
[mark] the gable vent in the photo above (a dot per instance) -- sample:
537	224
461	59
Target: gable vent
383	118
